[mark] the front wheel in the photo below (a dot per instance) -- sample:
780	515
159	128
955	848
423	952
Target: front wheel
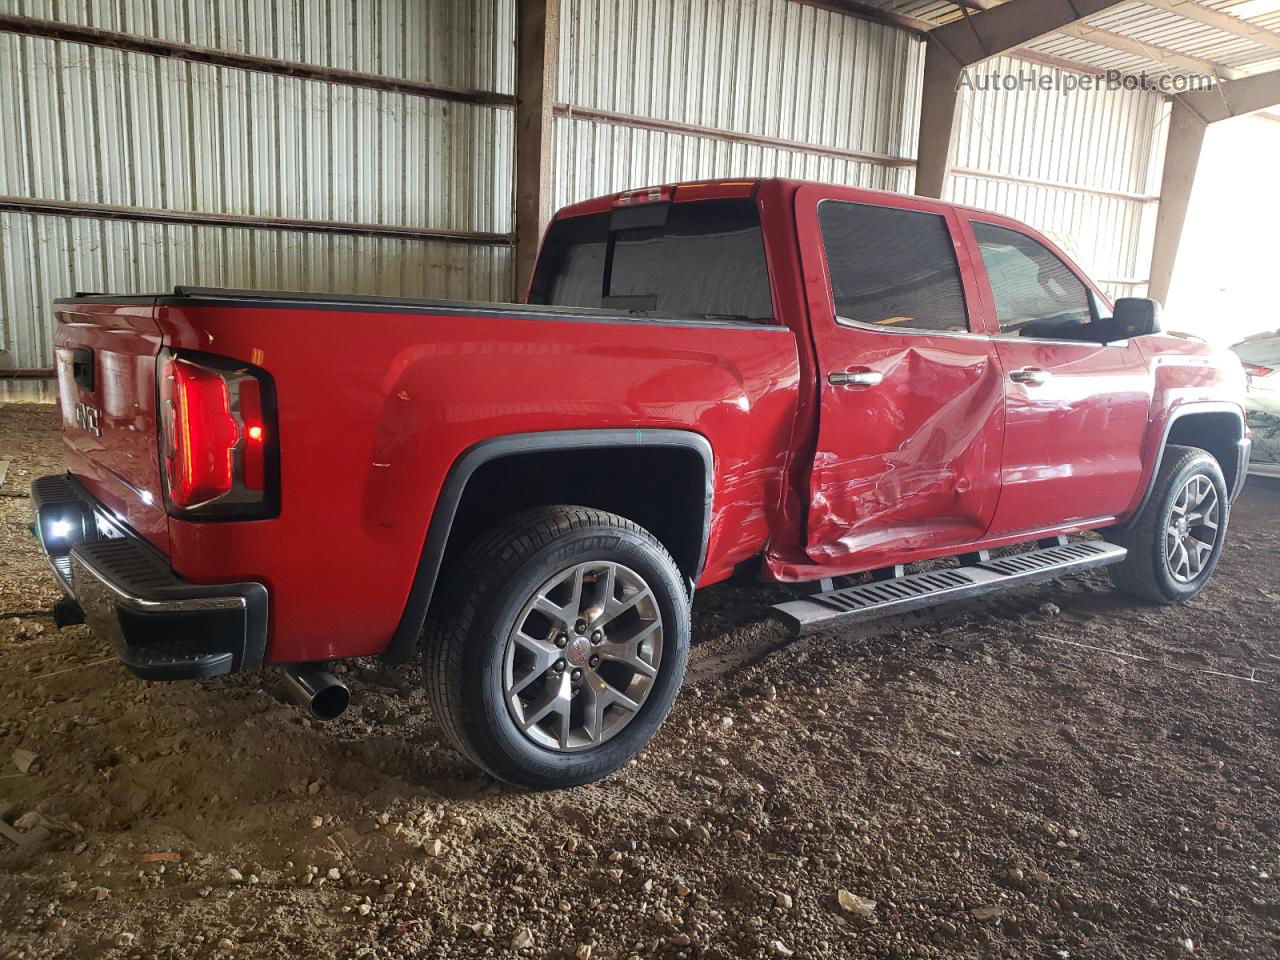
1175	542
558	647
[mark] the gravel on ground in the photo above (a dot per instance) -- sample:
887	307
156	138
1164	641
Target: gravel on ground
1061	772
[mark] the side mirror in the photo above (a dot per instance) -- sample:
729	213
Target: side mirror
1132	317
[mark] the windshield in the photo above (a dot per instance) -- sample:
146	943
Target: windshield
704	257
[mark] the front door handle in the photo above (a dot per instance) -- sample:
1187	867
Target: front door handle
1032	376
856	377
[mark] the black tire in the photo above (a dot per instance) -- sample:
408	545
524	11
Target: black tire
466	639
1146	572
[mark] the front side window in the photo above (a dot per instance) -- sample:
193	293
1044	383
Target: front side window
892	268
701	258
1036	294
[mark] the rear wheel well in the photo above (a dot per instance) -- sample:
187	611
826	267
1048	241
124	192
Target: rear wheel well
1216	432
663	489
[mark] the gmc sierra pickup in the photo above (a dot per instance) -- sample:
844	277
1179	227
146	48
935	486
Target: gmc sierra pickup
784	380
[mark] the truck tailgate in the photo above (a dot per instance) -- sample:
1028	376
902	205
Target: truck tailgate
106	363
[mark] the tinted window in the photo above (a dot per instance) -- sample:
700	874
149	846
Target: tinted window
892	268
705	258
1036	295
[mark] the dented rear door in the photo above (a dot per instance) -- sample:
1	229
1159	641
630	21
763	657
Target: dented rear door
911	414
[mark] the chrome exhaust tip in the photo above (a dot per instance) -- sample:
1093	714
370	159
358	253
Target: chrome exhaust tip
323	695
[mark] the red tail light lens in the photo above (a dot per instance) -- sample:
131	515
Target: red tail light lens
215	438
1254	370
255	435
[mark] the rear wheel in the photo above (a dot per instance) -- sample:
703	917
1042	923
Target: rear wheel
1175	542
559	646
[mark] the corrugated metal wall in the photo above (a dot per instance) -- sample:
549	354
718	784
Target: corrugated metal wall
774	69
462	43
107	126
594	158
91	125
1083	167
650	91
45	257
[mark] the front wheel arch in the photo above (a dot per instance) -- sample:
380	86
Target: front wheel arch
1216	428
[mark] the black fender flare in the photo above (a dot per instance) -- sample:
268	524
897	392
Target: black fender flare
404	641
1191	409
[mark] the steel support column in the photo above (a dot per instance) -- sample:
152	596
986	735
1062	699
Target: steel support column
537	46
1181	157
961	43
937	119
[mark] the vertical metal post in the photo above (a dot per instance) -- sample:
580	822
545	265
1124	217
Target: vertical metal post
937	119
1181	157
969	40
537	47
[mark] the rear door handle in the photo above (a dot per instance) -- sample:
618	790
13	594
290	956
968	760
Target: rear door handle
856	377
1032	376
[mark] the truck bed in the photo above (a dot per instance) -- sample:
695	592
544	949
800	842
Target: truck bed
376	406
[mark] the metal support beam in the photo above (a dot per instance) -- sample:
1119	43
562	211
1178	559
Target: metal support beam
992	32
728	136
1171	59
153	46
954	46
107	211
1217	18
1236	97
1118	41
1181	157
537	46
1189	119
920	28
937	120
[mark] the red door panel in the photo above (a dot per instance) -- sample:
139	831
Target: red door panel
912	463
1076	411
910	422
1073	440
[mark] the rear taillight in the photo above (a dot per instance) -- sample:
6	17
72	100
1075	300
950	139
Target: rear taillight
1254	370
217	439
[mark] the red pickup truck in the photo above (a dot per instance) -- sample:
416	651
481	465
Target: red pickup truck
785	380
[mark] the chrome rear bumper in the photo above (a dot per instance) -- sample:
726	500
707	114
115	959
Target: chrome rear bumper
161	626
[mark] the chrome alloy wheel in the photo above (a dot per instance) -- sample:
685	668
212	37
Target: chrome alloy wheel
583	656
1192	530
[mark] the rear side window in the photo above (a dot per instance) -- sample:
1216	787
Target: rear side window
892	268
1036	294
701	258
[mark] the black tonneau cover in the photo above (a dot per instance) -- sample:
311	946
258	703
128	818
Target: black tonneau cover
364	303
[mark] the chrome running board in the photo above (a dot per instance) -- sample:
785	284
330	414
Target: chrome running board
882	598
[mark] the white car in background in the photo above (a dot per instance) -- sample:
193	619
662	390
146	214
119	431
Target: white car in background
1260	355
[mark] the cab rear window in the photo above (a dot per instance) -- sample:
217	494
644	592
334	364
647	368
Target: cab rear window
703	258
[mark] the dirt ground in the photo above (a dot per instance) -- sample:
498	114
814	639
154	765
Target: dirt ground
1062	772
